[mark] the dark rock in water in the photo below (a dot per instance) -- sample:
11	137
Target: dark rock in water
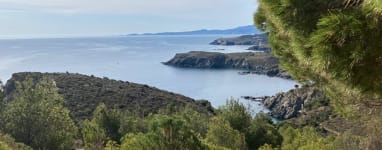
84	93
258	39
258	63
291	104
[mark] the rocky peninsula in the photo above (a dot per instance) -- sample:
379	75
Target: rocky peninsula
258	42
84	93
258	62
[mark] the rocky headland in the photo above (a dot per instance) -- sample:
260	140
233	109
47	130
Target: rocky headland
293	103
258	42
258	63
84	93
308	106
242	40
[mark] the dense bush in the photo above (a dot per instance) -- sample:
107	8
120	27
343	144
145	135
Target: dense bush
165	132
233	127
257	131
8	143
36	117
220	133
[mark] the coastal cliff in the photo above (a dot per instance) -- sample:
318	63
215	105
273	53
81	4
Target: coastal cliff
258	63
84	93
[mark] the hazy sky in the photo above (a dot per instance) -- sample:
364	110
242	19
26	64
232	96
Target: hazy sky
28	18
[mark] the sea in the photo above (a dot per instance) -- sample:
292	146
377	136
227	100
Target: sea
139	59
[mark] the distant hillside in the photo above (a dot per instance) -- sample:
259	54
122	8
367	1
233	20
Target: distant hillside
250	29
84	93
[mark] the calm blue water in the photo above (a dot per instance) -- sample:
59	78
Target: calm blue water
137	59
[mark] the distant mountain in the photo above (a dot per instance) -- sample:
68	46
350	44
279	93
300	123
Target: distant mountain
250	29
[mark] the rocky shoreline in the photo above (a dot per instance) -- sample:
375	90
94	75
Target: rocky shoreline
258	63
291	104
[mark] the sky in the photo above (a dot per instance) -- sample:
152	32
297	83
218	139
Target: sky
42	18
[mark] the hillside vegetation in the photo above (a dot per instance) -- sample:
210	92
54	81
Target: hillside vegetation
83	94
35	115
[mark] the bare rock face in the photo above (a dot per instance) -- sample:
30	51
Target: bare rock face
290	104
84	93
256	62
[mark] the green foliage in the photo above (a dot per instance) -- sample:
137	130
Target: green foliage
36	116
220	133
112	145
215	147
258	131
367	136
267	147
8	143
108	120
348	141
237	114
138	141
93	135
304	139
165	132
131	123
262	131
335	44
4	146
198	122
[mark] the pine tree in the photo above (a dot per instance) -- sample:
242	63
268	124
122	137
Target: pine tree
165	132
36	116
221	134
334	43
93	135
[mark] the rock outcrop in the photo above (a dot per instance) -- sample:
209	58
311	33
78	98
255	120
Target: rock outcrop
84	93
258	42
258	62
292	103
257	39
